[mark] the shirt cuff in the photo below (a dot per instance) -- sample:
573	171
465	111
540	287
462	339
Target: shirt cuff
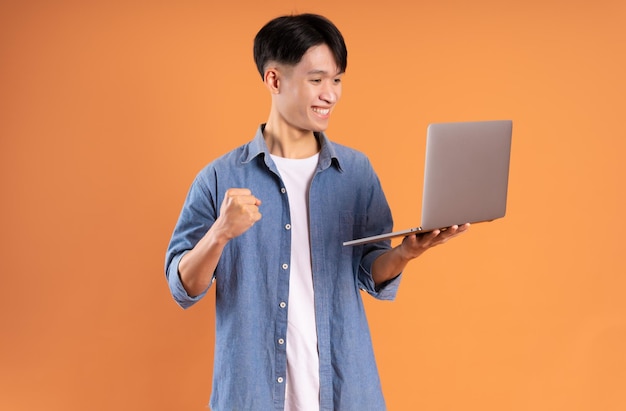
176	285
386	290
389	289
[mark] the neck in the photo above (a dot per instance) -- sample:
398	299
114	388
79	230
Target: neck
289	142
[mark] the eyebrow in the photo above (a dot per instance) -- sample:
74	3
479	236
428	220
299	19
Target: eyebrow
324	72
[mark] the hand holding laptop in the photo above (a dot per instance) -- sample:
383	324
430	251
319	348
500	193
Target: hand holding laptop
416	244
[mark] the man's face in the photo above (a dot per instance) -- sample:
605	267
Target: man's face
309	90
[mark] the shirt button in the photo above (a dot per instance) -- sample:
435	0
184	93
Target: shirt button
280	380
283	304
282	190
287	226
281	341
285	266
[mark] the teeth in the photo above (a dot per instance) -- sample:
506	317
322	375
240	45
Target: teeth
322	111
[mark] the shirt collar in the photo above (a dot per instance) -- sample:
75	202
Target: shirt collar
257	146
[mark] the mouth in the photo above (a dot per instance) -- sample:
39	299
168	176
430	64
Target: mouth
321	111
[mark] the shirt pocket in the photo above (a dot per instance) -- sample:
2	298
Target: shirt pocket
351	226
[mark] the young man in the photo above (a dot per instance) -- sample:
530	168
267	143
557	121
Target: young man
266	222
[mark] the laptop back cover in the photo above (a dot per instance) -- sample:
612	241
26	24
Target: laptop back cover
466	172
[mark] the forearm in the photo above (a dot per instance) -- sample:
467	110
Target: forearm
389	265
196	268
239	212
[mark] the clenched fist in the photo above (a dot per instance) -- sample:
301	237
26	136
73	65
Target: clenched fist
238	212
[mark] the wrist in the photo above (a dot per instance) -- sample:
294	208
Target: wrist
219	234
407	253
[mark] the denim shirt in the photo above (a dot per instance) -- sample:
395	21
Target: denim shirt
251	280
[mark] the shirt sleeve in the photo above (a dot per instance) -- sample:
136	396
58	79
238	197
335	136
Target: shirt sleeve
379	220
176	286
197	216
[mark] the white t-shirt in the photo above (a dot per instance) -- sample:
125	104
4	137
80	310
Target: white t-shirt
302	378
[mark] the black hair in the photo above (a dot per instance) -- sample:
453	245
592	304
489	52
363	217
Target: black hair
285	40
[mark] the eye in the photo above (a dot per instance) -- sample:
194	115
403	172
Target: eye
337	80
316	80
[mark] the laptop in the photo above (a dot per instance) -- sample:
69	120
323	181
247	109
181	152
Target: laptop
466	176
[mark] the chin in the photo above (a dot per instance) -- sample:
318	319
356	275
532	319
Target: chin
318	128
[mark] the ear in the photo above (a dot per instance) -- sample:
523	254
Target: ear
272	80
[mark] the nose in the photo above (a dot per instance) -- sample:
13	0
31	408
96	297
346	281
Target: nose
328	97
331	93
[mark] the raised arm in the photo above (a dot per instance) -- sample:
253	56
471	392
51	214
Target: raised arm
238	212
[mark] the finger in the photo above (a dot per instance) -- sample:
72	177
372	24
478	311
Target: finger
241	196
456	230
256	216
423	240
253	200
428	238
234	191
248	200
436	237
452	232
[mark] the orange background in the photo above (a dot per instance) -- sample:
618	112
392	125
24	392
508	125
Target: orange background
108	110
